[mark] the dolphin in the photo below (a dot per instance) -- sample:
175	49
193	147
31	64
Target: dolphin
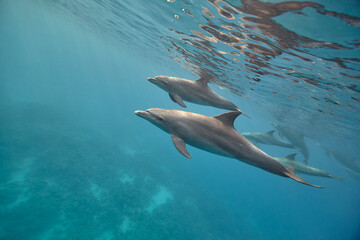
289	161
216	135
266	138
295	138
180	89
348	162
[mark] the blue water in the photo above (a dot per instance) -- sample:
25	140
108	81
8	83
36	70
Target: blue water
77	163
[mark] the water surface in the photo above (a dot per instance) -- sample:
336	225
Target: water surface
76	163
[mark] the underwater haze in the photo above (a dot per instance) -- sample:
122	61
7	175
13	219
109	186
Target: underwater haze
77	163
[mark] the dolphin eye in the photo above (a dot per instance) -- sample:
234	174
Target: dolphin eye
160	118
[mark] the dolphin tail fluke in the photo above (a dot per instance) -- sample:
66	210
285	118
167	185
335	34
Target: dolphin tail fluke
291	174
242	112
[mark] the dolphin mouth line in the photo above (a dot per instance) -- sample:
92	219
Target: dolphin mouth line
151	79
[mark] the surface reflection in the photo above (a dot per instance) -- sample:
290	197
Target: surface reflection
301	56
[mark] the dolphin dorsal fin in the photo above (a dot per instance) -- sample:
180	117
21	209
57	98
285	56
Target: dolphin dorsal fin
228	118
202	81
291	156
271	132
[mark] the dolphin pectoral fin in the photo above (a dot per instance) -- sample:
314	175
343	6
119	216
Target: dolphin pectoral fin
291	174
177	99
180	145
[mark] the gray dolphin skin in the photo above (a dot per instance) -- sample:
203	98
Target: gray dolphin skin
295	138
266	138
198	92
289	161
349	163
216	135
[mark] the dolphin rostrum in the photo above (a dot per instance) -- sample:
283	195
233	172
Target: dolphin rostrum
295	138
266	138
289	161
216	135
180	89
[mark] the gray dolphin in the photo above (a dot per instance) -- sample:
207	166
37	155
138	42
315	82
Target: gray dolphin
216	135
289	161
266	138
295	138
180	89
349	163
